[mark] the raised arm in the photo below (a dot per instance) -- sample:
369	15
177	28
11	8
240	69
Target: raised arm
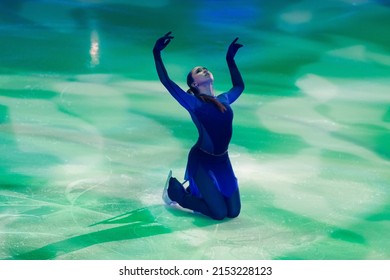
186	100
160	44
238	83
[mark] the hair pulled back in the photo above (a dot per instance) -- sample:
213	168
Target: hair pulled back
201	96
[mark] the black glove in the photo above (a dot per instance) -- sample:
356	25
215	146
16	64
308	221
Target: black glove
162	42
232	50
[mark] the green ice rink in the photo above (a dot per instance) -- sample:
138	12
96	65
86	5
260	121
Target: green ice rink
88	133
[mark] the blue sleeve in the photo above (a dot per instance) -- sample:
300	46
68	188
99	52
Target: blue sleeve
185	99
237	81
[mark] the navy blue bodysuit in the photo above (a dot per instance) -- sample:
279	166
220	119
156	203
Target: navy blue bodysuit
209	156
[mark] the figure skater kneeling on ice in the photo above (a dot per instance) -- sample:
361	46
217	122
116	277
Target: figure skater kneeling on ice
213	188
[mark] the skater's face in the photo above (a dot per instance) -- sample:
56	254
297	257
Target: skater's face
201	75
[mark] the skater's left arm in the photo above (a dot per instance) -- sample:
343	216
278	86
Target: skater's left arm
235	75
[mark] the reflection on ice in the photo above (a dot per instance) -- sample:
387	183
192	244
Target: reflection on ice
94	50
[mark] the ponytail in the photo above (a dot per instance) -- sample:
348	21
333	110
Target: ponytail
210	99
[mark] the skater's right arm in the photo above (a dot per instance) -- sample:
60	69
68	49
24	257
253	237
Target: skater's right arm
188	101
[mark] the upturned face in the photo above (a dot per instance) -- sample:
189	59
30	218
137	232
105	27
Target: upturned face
201	75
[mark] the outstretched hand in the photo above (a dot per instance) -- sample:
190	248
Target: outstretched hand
162	42
233	48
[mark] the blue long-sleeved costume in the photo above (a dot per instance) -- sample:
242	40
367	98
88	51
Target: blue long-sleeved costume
208	160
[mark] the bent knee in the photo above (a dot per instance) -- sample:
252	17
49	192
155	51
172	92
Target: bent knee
219	214
233	213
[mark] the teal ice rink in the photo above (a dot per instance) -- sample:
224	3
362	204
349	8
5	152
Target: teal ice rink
88	133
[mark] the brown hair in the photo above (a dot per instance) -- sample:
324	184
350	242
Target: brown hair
203	97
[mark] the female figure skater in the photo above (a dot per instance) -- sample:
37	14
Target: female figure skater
213	188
